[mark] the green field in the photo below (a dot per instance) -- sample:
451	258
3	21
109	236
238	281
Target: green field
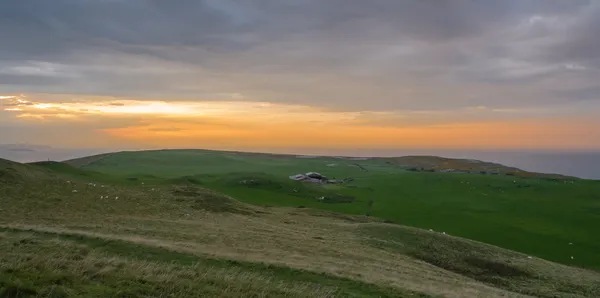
540	217
178	224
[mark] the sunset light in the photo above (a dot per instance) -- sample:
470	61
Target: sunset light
299	148
370	84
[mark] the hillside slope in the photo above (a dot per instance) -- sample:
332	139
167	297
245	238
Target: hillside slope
453	165
66	235
536	216
413	163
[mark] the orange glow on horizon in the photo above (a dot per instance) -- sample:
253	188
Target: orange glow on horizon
248	124
497	135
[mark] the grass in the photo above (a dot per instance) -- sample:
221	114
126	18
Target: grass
177	163
58	265
181	237
537	216
134	246
480	262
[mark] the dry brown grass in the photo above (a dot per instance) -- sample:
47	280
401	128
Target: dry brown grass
66	263
311	243
435	163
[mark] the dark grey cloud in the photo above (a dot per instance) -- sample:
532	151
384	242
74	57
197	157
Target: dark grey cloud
591	93
342	54
579	41
28	80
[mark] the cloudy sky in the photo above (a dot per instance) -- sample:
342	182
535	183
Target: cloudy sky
248	74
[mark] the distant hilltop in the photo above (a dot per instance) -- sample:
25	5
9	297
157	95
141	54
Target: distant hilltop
416	163
472	166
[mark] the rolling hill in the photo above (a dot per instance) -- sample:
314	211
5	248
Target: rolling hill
534	214
232	224
67	233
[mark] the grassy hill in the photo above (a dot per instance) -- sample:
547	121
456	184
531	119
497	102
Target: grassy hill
71	233
547	216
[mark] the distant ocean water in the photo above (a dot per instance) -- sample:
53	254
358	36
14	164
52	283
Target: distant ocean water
579	164
31	153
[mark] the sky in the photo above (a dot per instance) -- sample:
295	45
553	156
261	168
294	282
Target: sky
276	74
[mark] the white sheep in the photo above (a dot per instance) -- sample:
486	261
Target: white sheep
116	198
74	190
